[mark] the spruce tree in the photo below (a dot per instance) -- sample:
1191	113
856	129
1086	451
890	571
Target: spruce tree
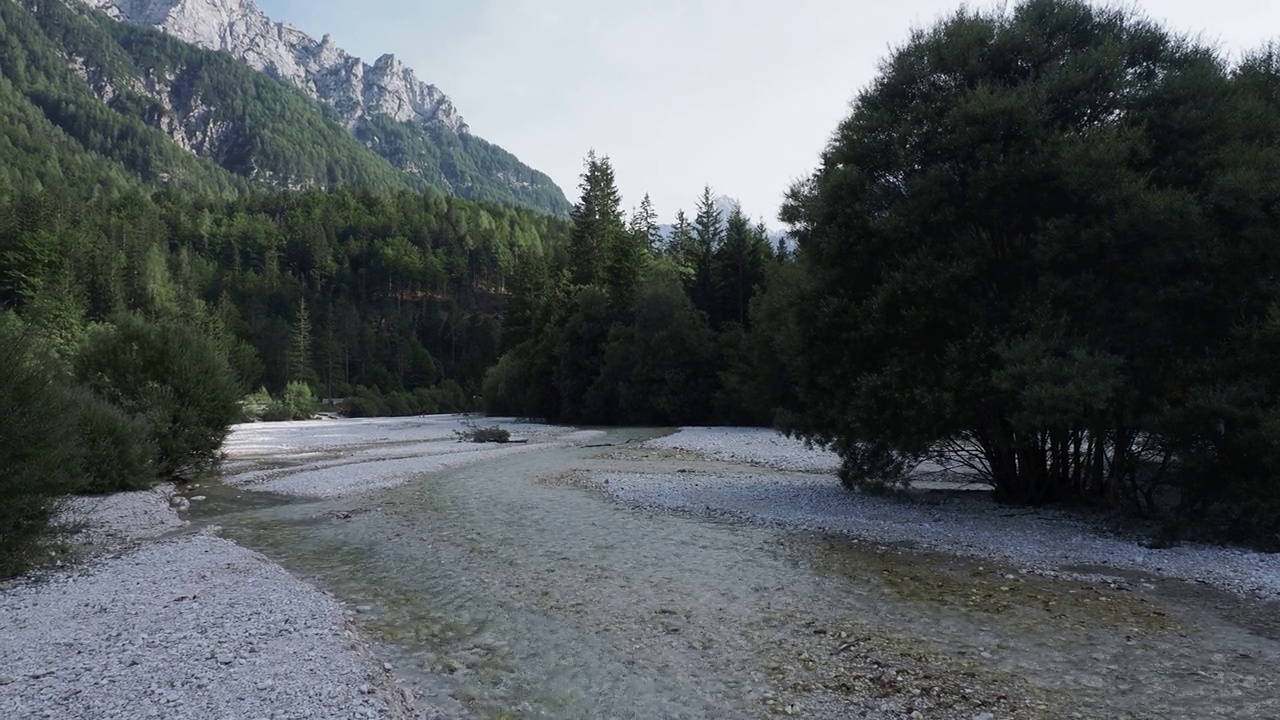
299	359
708	234
597	221
644	222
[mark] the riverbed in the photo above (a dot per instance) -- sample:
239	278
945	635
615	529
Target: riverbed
590	574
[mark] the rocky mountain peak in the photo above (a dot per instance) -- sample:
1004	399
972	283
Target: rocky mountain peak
319	68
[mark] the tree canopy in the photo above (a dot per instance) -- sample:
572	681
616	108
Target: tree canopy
1042	246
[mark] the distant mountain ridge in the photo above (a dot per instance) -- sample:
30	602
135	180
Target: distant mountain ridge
408	123
726	205
319	68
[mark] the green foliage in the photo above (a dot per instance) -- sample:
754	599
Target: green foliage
1041	244
114	447
580	356
298	401
256	405
614	333
491	434
55	110
475	169
447	397
37	447
170	376
660	368
597	222
92	103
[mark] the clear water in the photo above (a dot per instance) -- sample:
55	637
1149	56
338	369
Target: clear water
496	594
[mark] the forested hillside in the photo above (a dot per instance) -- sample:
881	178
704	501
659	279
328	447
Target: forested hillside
144	292
178	115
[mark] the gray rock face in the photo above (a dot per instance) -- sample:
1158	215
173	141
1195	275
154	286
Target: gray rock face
319	68
187	119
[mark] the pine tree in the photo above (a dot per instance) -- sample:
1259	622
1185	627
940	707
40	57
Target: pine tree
628	256
739	267
298	367
708	234
680	243
597	221
644	222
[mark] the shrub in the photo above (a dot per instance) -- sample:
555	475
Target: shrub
398	404
299	402
113	447
172	377
363	402
38	458
491	434
448	396
255	405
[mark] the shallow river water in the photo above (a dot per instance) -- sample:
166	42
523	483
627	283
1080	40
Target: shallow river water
511	589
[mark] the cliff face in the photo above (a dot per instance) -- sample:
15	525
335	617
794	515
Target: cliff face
363	124
319	68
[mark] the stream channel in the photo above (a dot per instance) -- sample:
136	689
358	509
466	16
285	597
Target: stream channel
511	588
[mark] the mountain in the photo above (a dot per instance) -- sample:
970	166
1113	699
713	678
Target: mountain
409	123
319	68
80	90
726	205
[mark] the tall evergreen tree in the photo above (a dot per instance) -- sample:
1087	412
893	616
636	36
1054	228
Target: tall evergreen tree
299	357
708	234
644	222
739	267
597	221
680	244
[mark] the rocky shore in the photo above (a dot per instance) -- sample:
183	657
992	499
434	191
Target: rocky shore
800	494
189	626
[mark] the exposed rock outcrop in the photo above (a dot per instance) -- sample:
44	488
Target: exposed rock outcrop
319	68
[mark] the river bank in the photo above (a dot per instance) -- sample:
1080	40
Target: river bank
191	626
144	620
802	493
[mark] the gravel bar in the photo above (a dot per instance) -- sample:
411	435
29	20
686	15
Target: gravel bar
1041	540
338	458
756	446
1044	541
189	627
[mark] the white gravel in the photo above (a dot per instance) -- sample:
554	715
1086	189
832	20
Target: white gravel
250	440
356	475
104	521
196	627
1039	540
335	458
757	446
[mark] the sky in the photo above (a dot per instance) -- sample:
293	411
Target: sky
741	95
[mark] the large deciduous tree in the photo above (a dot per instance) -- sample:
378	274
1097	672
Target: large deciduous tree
1035	244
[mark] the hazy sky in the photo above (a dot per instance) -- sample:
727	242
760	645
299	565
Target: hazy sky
679	93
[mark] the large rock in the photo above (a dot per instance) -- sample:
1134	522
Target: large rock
319	68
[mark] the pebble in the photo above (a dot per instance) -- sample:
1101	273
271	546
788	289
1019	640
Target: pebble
1040	541
389	452
135	651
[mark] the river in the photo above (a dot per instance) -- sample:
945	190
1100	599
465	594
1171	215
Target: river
510	588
